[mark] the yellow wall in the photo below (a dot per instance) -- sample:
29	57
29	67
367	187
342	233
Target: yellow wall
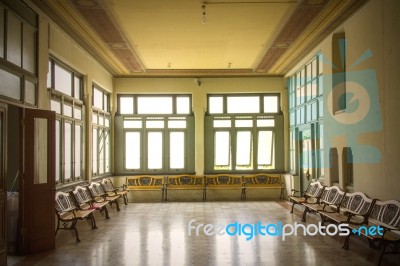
199	96
376	27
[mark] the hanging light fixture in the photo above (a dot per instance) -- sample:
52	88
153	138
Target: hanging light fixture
204	17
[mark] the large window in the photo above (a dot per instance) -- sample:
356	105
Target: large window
305	94
65	86
156	133
101	159
18	53
242	132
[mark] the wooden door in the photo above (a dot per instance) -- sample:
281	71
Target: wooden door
3	189
38	182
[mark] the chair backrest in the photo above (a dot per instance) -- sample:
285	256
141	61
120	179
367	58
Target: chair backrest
81	195
96	189
357	202
314	190
386	212
332	195
64	202
108	185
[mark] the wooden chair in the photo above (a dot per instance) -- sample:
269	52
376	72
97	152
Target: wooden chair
111	190
99	195
312	194
330	200
85	201
68	214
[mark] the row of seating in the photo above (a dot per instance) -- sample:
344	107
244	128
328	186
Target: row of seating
221	182
361	213
80	203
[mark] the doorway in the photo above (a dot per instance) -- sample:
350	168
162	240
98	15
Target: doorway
27	149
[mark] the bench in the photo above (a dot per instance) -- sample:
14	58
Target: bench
99	195
355	208
146	183
68	213
223	182
386	214
263	181
111	190
84	201
184	182
312	194
330	200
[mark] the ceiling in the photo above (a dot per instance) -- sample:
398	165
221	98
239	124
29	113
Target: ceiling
197	38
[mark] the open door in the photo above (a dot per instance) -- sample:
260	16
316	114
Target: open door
3	192
38	182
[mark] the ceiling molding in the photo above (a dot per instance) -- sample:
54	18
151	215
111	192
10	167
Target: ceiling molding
72	23
300	19
332	17
203	73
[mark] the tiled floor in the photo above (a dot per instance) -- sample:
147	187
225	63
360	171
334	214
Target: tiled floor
157	234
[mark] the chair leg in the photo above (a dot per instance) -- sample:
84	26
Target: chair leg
382	253
106	212
126	199
116	202
73	227
93	220
293	203
304	217
346	242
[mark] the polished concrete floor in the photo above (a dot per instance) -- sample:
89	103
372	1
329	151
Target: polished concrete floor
158	234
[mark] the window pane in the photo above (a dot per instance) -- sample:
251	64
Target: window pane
264	153
265	123
177	150
177	124
107	152
97	98
222	148
132	150
28	49
78	113
30	92
101	151
154	124
55	106
154	150
243	148
182	105
78	156
126	105
271	104
67	110
13	39
154	105
95	119
216	105
67	150
58	150
222	123
243	123
62	80
49	75
107	122
132	124
10	85
243	105
77	88
94	151
105	108
40	151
